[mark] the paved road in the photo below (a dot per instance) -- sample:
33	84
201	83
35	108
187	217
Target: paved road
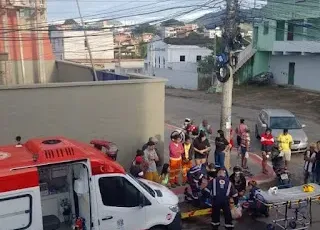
177	108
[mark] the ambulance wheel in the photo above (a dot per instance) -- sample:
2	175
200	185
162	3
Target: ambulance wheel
293	224
271	227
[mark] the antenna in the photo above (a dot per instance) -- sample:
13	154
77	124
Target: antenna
18	140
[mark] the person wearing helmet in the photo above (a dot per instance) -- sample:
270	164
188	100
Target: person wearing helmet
239	181
267	142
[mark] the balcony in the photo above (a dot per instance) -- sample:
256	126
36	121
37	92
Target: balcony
296	46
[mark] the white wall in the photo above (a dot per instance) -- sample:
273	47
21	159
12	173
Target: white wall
72	44
190	53
178	78
307	70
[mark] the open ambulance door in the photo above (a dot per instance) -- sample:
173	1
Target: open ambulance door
20	201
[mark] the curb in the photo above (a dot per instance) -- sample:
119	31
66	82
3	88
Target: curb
260	178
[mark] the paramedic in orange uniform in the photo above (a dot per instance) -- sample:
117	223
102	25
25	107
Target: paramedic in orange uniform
175	152
187	157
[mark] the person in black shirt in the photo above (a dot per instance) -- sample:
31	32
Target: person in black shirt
239	181
202	148
222	146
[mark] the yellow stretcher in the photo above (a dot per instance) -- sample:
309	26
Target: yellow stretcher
201	212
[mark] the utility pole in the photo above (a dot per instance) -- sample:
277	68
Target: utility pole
230	30
39	42
4	63
87	42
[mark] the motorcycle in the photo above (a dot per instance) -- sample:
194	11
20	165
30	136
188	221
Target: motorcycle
283	175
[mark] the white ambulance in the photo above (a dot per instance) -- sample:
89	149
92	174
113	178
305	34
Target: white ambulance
57	183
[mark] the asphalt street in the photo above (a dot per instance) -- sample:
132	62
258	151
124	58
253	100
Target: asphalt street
178	108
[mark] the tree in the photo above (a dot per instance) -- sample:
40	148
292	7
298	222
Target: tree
200	29
172	22
143	49
207	64
144	28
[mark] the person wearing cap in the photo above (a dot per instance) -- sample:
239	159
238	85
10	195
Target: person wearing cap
221	191
194	177
151	157
176	151
136	169
239	181
285	142
267	142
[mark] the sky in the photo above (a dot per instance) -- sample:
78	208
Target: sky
126	10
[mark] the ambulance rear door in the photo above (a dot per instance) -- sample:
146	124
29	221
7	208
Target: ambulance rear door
20	201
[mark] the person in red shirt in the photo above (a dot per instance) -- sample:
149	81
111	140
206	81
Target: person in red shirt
175	153
267	142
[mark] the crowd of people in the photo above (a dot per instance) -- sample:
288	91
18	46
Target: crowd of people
188	163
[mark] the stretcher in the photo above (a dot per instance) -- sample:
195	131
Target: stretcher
292	206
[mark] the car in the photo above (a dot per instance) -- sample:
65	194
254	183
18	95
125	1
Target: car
279	119
261	79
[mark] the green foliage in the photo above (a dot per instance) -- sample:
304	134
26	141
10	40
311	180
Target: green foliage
144	28
200	29
143	49
207	64
172	22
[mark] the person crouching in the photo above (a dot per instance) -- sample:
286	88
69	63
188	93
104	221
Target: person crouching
195	177
239	181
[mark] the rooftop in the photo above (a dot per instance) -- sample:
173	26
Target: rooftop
192	39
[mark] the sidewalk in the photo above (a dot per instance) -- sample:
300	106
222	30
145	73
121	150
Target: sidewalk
254	164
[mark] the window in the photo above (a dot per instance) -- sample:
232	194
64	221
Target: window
198	57
284	123
164	62
265	27
18	214
159	61
182	58
118	192
85	43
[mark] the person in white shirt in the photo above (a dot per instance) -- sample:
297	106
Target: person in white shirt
309	164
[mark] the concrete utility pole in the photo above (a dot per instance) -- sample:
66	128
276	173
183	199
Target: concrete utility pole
230	30
4	63
87	42
39	42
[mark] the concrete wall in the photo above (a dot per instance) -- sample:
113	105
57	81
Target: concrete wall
260	62
125	112
73	72
178	78
31	72
306	70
